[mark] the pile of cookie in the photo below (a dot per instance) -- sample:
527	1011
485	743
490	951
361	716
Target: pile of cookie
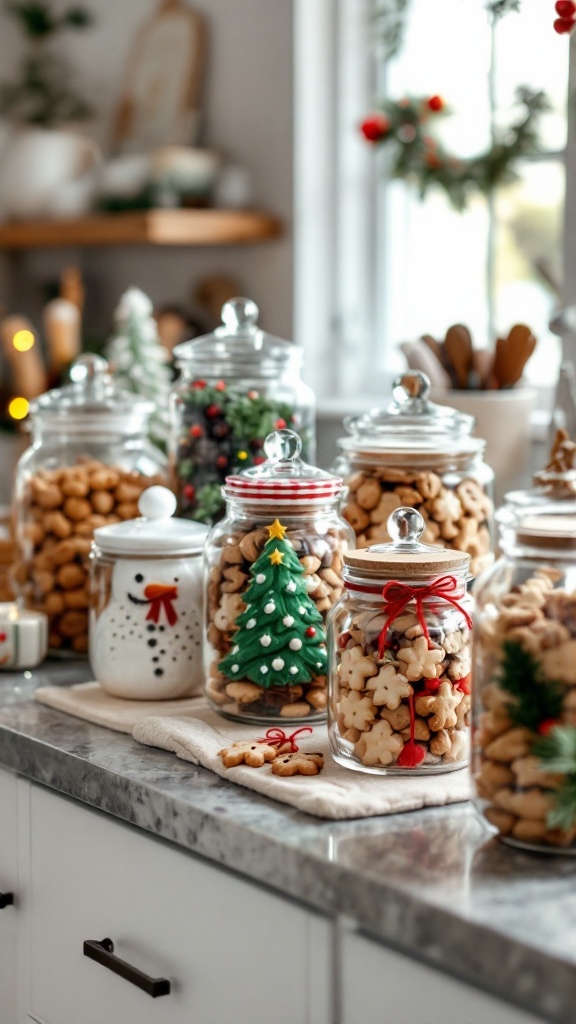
321	558
515	793
58	512
457	513
418	693
285	757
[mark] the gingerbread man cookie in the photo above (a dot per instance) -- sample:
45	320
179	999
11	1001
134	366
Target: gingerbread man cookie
248	752
298	764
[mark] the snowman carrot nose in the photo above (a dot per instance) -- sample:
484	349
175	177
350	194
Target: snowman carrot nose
161	595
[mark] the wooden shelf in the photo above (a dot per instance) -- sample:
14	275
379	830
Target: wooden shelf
145	227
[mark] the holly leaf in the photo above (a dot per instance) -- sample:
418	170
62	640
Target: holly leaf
557	751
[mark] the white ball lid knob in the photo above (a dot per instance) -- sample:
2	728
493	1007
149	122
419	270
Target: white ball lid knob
157	503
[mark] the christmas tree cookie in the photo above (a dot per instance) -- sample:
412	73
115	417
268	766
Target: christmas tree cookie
279	651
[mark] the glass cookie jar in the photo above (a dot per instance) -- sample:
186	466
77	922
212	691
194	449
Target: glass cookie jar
418	454
272	574
399	647
236	386
88	463
146	587
524	762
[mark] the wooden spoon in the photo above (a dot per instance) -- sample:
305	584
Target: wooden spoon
458	348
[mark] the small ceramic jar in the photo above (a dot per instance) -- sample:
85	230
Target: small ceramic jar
399	656
272	574
145	627
23	637
525	684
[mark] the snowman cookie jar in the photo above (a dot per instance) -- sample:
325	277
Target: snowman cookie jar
146	603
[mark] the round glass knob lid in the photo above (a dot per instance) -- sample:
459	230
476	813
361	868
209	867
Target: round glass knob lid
411	385
239	315
88	369
157	503
405	526
282	446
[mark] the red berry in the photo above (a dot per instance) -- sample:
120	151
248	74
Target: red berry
435	104
563	25
375	128
2	637
310	631
252	395
547	725
199	384
189	492
565	8
259	459
221	462
196	431
220	385
343	640
280	424
213	410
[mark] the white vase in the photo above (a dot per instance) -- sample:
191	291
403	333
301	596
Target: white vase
47	172
503	420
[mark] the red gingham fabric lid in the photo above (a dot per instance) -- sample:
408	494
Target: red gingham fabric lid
284	478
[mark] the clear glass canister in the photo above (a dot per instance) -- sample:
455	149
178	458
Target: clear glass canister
146	589
525	685
236	386
399	646
418	454
88	463
272	574
554	490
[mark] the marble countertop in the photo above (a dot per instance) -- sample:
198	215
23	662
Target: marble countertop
432	883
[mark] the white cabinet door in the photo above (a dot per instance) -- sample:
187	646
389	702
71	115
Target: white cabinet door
231	951
8	885
379	986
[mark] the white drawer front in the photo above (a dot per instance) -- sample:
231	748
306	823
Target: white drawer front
379	986
8	884
231	951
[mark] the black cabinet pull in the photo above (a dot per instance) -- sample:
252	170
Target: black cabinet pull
6	899
103	953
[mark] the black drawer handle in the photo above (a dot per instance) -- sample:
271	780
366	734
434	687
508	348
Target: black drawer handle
6	899
103	953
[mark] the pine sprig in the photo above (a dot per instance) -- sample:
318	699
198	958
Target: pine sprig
557	752
533	697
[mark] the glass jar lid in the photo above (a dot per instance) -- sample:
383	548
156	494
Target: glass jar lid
155	532
283	479
538	534
92	401
411	422
239	347
405	557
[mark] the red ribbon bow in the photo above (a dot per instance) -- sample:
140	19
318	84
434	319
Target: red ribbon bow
277	737
397	596
161	596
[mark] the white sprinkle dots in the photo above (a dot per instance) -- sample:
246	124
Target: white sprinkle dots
265	640
293	670
277	664
291	587
260	578
263	669
235	649
251	623
235	668
288	620
269	608
302	610
295	643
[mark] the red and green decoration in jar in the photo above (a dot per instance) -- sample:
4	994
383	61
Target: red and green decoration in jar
222	431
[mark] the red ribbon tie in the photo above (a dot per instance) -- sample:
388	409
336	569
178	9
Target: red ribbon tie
161	597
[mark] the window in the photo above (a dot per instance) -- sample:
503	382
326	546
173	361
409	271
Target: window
376	266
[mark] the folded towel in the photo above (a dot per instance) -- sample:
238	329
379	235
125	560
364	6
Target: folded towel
195	733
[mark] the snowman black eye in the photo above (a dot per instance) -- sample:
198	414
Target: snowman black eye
138	577
176	579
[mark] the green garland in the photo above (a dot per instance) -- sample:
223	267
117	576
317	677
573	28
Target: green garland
403	128
536	704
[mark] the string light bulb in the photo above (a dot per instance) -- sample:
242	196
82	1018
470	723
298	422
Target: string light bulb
18	408
23	340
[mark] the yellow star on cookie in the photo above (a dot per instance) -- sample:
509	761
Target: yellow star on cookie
276	530
276	557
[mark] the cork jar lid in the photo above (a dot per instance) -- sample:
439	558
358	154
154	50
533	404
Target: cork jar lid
406	557
555	532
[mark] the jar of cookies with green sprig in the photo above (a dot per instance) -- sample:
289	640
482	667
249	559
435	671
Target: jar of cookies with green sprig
399	649
524	762
415	453
272	573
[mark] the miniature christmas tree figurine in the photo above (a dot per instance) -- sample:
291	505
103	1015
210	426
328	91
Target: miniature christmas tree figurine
139	361
280	639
